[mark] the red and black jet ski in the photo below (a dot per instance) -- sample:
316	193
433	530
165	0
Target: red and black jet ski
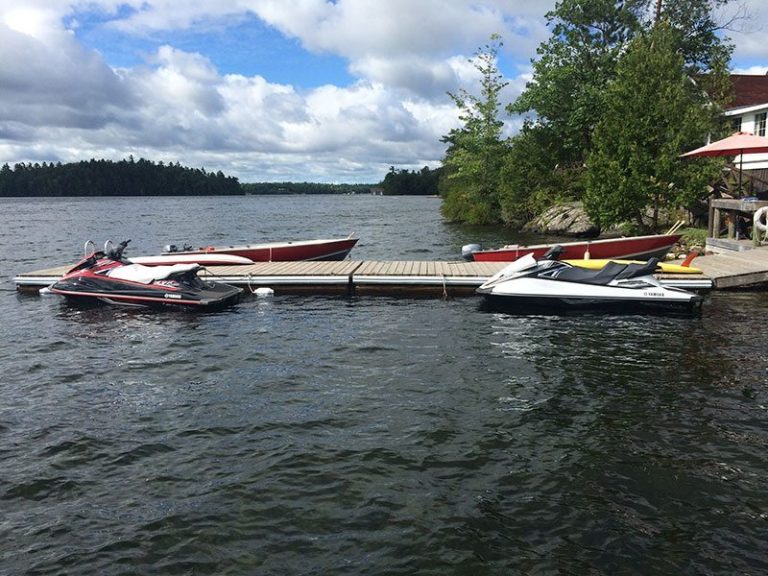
109	277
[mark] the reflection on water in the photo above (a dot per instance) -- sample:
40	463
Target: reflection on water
314	435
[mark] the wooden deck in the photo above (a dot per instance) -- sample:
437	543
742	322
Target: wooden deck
735	269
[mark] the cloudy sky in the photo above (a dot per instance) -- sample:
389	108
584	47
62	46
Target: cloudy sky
265	90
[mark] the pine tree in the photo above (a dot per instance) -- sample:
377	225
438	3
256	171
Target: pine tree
653	112
474	158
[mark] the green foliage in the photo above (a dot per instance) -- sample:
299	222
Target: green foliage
699	36
573	69
653	112
108	178
694	236
473	162
406	183
527	162
572	81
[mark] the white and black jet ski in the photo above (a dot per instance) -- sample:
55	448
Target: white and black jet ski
551	284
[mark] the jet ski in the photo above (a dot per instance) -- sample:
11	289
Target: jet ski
549	283
107	276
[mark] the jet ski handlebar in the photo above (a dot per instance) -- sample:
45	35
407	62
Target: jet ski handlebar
553	253
117	252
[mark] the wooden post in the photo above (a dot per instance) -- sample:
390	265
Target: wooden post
715	223
731	224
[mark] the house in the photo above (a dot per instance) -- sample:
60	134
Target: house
748	113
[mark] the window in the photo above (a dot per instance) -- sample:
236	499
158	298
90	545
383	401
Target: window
760	124
736	124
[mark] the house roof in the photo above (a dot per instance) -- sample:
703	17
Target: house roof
749	90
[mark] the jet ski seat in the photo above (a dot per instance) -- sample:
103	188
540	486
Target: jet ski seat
639	269
148	274
585	276
609	272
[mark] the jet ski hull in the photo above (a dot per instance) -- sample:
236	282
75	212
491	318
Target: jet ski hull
86	287
559	305
534	285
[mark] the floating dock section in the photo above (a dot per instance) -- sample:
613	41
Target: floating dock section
356	278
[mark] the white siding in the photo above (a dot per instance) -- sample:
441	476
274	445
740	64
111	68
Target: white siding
747	115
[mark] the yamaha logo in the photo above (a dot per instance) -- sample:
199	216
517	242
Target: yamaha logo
173	296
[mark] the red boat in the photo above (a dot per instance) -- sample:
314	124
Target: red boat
335	249
632	247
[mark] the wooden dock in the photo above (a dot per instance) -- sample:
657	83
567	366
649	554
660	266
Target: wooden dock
354	277
735	268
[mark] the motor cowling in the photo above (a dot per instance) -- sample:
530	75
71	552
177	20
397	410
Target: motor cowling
468	249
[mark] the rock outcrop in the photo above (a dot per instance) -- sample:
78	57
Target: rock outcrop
568	219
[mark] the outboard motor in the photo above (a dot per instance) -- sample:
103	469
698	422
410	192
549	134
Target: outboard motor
170	248
468	249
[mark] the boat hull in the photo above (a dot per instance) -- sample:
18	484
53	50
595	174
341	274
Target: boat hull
630	248
335	249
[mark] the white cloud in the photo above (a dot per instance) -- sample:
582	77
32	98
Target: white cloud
47	78
752	70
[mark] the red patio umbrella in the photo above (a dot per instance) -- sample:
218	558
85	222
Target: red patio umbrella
737	144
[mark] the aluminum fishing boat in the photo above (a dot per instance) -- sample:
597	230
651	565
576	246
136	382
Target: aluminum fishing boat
631	247
333	249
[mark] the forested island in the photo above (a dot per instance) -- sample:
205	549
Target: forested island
423	182
107	178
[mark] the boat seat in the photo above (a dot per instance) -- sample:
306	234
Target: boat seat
149	274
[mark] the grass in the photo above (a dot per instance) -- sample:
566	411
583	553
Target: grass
694	236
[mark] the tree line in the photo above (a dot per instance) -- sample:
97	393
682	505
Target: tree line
146	178
618	92
108	178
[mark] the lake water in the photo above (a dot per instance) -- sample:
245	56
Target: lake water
376	436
